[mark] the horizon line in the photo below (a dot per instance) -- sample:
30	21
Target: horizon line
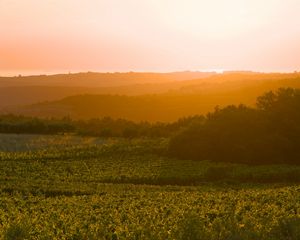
30	73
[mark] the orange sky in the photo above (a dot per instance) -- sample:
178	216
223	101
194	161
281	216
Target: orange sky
148	35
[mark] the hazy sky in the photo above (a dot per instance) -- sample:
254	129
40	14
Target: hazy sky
149	35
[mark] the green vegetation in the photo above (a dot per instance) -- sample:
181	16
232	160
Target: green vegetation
145	212
69	187
268	133
120	161
232	174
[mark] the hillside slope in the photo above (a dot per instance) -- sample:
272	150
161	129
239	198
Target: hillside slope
171	84
93	79
185	101
33	89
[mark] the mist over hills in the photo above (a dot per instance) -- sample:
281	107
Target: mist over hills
24	90
93	79
153	101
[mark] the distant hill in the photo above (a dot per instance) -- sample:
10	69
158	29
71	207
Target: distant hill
33	89
30	90
182	98
92	79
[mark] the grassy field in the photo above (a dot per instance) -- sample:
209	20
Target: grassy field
69	187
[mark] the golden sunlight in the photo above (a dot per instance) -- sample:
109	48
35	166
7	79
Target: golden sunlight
149	35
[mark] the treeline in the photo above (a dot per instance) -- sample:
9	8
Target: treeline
269	133
32	125
104	127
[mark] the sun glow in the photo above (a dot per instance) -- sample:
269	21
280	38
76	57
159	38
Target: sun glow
214	18
154	35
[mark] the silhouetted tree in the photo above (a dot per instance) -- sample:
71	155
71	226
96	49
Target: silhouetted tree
268	134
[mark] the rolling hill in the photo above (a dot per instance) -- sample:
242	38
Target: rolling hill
33	89
182	98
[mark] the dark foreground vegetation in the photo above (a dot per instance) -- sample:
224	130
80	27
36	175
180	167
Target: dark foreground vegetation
269	133
105	127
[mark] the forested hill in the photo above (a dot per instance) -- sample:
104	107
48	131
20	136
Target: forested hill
153	108
22	92
156	102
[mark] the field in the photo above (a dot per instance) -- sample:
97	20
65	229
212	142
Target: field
69	187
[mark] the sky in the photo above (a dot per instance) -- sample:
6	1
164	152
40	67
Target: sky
148	35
